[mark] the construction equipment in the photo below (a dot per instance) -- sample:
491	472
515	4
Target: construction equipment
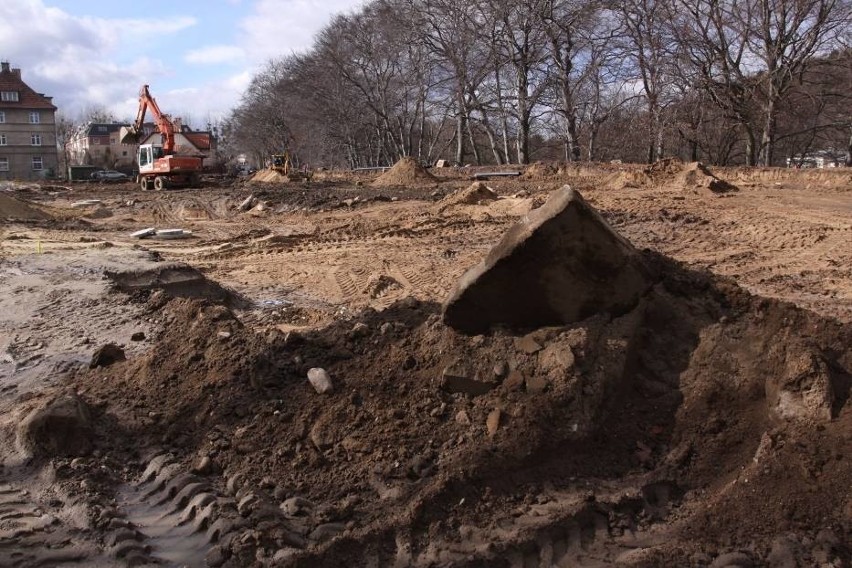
283	164
159	166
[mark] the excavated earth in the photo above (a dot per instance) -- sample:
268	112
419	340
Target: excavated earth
683	400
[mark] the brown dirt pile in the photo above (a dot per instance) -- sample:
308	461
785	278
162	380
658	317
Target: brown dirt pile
628	179
696	177
541	170
12	208
476	193
406	171
702	421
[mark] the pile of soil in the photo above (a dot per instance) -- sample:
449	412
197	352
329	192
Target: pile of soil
269	176
541	170
697	177
627	179
406	171
16	209
476	193
702	422
665	167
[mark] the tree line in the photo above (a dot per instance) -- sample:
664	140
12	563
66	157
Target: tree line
510	81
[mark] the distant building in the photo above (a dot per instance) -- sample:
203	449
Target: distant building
27	129
829	158
97	144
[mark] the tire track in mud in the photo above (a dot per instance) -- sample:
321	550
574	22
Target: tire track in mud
30	536
363	263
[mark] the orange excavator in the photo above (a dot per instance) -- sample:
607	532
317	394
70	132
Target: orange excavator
159	166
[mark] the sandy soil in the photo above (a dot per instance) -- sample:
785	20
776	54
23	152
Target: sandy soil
708	426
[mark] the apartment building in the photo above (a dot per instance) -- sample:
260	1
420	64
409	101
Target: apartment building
27	129
99	144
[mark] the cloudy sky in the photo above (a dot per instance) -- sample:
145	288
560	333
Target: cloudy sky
196	55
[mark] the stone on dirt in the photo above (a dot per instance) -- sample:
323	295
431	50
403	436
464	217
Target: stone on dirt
561	264
106	355
492	422
456	379
296	507
61	427
319	379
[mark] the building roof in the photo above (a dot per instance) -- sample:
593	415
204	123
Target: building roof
10	80
102	128
200	140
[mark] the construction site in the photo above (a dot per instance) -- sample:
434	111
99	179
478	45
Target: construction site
581	365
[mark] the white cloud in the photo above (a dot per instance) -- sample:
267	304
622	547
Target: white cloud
215	54
74	59
280	27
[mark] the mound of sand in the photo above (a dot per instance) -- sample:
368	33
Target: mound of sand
476	194
623	180
696	176
541	170
405	171
11	208
269	176
665	167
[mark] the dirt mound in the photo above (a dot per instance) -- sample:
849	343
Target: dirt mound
406	171
175	280
701	405
270	176
58	427
665	167
629	179
541	170
476	194
11	208
696	176
561	263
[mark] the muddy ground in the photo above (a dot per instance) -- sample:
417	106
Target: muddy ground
708	425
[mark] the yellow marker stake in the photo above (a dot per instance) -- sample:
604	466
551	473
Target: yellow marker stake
38	246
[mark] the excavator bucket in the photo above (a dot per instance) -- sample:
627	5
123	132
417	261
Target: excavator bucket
128	135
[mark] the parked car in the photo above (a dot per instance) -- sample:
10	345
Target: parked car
109	175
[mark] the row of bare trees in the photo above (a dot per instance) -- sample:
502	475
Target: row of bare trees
503	81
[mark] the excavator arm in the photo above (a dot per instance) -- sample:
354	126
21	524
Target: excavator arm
163	121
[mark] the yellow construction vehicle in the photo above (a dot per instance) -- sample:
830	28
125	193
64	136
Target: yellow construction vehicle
282	164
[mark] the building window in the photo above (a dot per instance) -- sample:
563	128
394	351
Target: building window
2	117
2	139
38	165
35	139
35	118
9	96
4	164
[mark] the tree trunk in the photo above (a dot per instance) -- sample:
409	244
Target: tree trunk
750	146
461	128
767	140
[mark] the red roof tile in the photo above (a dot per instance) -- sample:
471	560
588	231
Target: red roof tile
10	80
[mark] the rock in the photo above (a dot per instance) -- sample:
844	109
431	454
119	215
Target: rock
783	554
738	559
296	507
360	329
203	466
321	435
536	384
138	336
319	379
492	423
326	531
284	555
61	427
106	355
561	264
247	203
557	358
455	379
500	369
515	381
527	344
463	418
